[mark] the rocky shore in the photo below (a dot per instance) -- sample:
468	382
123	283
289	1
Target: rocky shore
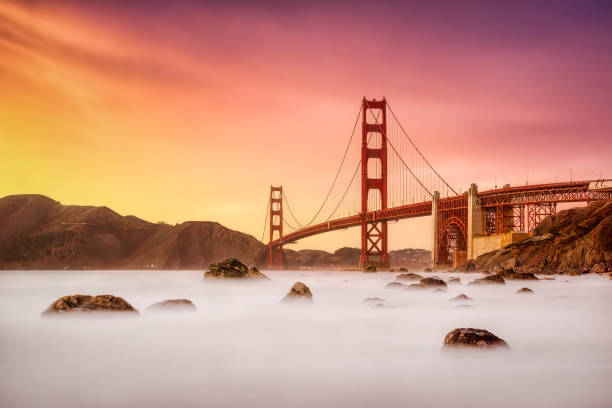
573	242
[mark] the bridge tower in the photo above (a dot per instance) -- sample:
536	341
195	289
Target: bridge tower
275	253
373	233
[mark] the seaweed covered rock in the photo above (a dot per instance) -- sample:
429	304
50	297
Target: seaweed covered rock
475	339
89	304
232	268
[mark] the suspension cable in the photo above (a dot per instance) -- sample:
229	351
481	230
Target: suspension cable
338	172
263	233
290	210
417	149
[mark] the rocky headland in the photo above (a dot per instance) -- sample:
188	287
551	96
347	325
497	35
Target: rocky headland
574	241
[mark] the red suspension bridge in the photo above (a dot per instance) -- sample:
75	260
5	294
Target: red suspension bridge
383	176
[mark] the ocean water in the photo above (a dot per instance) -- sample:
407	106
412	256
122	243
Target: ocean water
242	349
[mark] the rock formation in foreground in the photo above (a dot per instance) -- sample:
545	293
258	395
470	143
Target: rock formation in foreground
232	268
172	305
298	293
89	304
476	339
570	242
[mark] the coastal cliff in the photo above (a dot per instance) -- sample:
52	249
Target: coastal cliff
573	241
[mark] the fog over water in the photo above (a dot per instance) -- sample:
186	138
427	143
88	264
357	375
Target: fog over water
242	349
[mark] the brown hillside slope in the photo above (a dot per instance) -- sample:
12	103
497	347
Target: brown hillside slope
39	233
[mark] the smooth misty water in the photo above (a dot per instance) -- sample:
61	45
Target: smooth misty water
242	349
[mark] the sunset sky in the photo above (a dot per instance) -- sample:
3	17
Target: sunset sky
190	111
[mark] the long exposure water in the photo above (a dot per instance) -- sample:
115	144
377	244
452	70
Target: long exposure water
241	348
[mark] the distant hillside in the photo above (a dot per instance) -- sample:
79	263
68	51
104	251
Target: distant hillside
39	233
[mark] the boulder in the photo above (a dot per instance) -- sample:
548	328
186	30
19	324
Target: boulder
88	304
232	268
369	268
460	298
510	274
299	292
408	277
454	281
524	290
172	305
476	339
432	282
394	285
490	280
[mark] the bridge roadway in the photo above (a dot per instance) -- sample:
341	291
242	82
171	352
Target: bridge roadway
576	191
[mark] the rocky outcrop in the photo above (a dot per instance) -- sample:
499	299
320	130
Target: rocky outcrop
511	275
349	258
489	280
299	292
172	305
524	291
89	304
39	233
569	242
408	277
232	268
475	339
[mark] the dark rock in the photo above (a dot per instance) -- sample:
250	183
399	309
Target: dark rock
491	280
369	268
402	269
469	338
432	282
524	290
88	304
232	268
172	305
512	275
408	277
298	292
373	300
439	290
394	285
460	298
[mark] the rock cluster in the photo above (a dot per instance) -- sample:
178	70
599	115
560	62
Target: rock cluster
476	339
232	268
89	304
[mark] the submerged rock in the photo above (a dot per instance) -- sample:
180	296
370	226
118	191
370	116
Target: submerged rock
510	274
408	277
460	298
490	280
524	290
453	281
394	285
373	300
88	304
172	305
232	268
299	292
439	290
432	282
476	339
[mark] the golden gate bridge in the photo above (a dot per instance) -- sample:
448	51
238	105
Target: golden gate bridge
383	176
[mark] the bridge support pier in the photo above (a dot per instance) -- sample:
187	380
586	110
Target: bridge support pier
475	219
